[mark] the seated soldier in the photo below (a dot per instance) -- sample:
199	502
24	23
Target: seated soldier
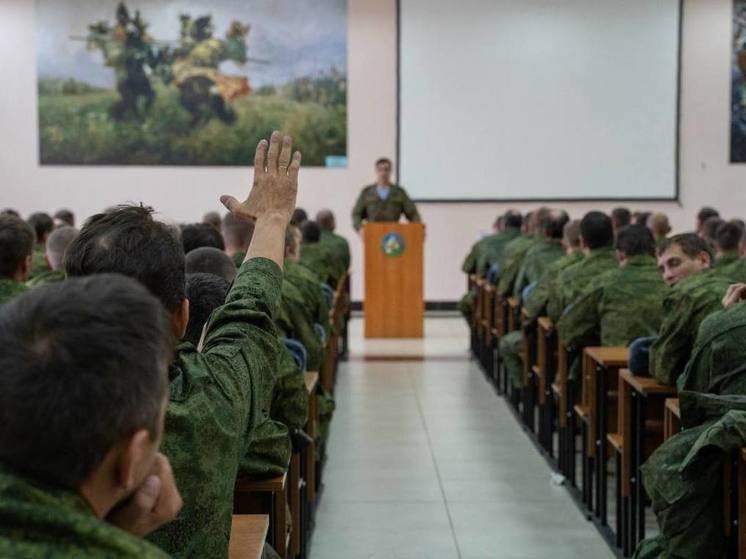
57	244
620	217
299	217
211	260
727	244
702	216
64	217
43	225
214	402
85	388
237	235
206	292
16	246
596	243
336	244
540	256
516	250
620	304
198	235
212	219
641	218
709	230
660	226
317	257
685	263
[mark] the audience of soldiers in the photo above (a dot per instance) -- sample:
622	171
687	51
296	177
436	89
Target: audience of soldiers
677	301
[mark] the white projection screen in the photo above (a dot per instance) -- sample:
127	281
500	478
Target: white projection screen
539	99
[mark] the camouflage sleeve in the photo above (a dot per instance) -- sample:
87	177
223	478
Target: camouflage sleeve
670	352
358	212
470	262
410	209
290	405
536	302
579	325
508	277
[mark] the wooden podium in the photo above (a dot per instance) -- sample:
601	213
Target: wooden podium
394	305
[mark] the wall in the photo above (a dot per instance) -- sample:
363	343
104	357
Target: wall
185	194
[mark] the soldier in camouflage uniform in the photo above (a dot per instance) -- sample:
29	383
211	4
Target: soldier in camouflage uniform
336	244
383	201
89	482
517	249
546	250
728	244
214	405
16	245
696	292
237	237
621	304
318	257
56	245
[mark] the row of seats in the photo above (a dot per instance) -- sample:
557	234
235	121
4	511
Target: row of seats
595	432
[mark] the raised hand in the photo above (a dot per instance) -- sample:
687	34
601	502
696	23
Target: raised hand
275	185
735	294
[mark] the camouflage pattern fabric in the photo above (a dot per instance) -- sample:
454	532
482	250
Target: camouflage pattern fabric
38	261
537	259
290	402
294	321
309	284
620	305
38	521
536	302
687	304
370	207
338	246
736	270
214	408
727	259
46	278
492	252
238	258
513	255
10	288
322	262
510	351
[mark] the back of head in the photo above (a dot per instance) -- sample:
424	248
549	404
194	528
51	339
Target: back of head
554	223
658	223
42	224
64	217
84	366
10	211
325	219
311	232
706	213
571	234
641	218
198	235
513	219
212	219
299	217
528	223
621	217
728	237
237	233
57	244
210	260
710	229
206	292
128	241
16	243
635	240
690	244
596	230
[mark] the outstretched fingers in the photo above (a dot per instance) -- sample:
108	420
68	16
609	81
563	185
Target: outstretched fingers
260	157
285	153
273	153
294	166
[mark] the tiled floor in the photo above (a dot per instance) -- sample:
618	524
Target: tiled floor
426	462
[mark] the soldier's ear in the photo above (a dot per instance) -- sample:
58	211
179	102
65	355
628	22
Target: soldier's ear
180	319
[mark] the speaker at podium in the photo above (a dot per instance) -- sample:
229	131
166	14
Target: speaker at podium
394	304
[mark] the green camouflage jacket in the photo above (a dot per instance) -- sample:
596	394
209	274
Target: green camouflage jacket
538	257
718	361
290	404
215	407
10	288
536	303
238	258
687	304
319	259
493	250
295	321
369	207
575	279
42	522
338	246
620	305
45	278
727	260
309	284
513	255
38	261
736	270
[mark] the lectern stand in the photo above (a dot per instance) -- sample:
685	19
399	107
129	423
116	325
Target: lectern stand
394	306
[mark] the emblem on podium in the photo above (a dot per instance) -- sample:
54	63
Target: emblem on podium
393	244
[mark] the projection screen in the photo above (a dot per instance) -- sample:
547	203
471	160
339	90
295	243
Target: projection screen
538	99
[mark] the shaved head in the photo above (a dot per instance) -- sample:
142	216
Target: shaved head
57	244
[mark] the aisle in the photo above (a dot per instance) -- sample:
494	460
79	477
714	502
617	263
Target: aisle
426	462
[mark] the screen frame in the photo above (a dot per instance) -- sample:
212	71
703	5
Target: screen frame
677	137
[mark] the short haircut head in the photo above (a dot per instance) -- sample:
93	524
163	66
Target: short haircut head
728	237
128	241
554	223
213	219
691	244
513	219
641	218
65	216
206	292
635	240
325	219
42	224
299	217
291	239
710	229
621	217
571	233
84	366
237	232
311	232
658	223
198	235
596	230
210	260
16	243
10	211
57	244
384	161
706	213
